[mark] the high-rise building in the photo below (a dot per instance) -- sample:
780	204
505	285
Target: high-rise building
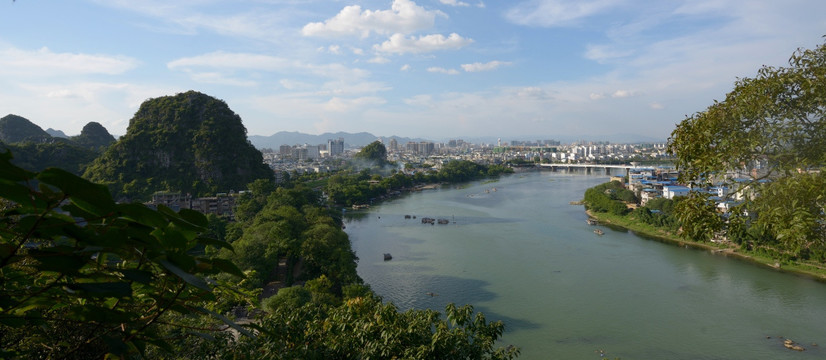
335	147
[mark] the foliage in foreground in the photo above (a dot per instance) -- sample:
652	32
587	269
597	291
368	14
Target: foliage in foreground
775	119
360	326
82	276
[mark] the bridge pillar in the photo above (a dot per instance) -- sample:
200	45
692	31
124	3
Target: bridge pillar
607	171
628	176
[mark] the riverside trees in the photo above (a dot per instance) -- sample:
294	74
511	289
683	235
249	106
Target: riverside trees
83	277
776	118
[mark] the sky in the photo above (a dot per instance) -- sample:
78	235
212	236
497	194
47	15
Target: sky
433	69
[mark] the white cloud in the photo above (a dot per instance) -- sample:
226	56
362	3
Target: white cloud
405	67
436	69
349	88
400	44
532	92
220	79
379	60
337	104
550	13
476	67
295	85
596	96
255	62
404	17
72	105
657	106
420	100
44	62
454	3
189	17
622	94
603	53
221	59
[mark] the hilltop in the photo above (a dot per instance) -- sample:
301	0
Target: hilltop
190	142
35	149
17	129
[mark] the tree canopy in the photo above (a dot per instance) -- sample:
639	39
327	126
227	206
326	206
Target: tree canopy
83	277
766	141
375	152
190	143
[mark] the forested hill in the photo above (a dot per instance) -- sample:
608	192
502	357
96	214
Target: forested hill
35	149
191	143
94	136
17	129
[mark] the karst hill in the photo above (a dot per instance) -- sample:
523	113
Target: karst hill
189	143
35	149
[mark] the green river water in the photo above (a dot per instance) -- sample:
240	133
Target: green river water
523	255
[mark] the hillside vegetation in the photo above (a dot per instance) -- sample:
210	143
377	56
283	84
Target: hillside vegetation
35	149
190	142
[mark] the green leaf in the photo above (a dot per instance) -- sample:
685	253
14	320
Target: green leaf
57	262
94	198
227	267
214	242
12	321
17	193
11	172
103	289
189	278
227	321
141	214
140	276
194	217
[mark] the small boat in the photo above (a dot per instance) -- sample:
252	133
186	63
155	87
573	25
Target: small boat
591	221
387	256
443	221
598	232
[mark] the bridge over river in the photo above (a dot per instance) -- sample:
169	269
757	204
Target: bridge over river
626	168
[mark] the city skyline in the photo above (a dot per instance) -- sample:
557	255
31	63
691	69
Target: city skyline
431	69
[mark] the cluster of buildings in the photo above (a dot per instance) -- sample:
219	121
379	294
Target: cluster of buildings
222	204
729	189
327	157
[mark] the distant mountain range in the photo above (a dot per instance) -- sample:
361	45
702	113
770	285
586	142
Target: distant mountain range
296	138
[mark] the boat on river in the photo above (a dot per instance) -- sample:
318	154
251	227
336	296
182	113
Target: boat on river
598	232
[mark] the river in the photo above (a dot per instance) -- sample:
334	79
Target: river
519	252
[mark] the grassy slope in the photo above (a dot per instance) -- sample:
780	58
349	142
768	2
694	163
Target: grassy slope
817	271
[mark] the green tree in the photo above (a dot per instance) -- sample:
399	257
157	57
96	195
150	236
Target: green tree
773	121
375	152
82	276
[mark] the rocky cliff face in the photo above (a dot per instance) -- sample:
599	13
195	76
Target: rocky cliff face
190	142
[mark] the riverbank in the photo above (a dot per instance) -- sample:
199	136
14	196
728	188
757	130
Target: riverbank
647	231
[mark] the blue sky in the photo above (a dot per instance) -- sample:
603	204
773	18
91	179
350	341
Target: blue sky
436	69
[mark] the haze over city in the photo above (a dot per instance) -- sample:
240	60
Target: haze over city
426	68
